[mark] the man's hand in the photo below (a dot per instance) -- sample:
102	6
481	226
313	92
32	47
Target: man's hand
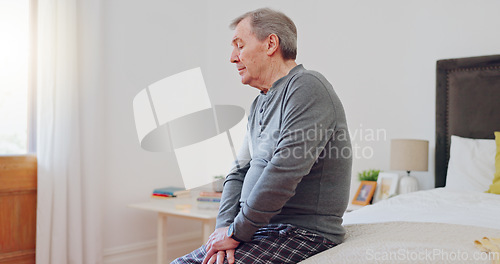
218	245
219	257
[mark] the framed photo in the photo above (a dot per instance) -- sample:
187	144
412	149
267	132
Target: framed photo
365	193
387	185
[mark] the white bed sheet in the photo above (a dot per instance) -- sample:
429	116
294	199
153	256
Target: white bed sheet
439	205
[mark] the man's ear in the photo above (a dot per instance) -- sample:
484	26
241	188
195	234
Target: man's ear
273	43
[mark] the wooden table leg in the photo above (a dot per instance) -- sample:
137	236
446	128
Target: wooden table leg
207	230
162	234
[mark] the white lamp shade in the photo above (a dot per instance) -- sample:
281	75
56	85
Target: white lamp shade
409	154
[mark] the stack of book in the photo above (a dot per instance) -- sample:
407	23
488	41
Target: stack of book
209	200
169	192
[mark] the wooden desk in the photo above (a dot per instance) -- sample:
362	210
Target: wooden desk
185	207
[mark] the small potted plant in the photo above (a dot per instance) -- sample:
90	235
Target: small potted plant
368	175
218	183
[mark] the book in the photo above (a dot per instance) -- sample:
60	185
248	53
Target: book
209	203
208	199
211	194
170	192
182	193
161	196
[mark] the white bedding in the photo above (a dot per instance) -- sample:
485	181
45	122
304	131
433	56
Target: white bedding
434	226
408	243
439	205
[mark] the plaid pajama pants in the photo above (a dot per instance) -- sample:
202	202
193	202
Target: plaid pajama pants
274	243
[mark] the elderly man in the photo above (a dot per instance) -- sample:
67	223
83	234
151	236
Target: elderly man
284	199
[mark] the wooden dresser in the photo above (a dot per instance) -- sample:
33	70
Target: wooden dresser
18	193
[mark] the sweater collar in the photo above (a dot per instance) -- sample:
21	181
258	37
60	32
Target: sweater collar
285	78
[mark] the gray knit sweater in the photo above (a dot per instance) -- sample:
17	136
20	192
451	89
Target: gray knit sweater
295	165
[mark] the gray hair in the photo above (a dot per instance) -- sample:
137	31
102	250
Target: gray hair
265	21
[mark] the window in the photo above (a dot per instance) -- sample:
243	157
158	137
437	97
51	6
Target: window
17	98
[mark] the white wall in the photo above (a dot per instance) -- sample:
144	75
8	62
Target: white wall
380	56
143	43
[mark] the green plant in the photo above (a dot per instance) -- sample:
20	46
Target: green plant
219	177
368	175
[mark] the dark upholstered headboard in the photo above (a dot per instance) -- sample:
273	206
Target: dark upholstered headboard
467	104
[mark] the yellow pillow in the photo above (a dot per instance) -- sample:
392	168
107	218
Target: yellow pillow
495	186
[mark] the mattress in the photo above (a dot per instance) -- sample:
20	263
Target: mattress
432	226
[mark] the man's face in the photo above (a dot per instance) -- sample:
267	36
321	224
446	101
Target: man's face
249	54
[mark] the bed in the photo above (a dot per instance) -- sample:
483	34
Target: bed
440	225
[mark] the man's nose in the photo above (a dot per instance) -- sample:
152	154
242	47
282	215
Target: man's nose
234	57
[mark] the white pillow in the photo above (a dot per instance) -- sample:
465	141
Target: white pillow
472	164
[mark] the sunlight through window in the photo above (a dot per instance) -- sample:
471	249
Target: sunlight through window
14	52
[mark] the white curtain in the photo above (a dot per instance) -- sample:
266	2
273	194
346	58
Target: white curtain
68	216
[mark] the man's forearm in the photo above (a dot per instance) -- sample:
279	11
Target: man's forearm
230	201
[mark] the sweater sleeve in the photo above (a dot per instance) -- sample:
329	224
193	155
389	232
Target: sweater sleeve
230	204
306	126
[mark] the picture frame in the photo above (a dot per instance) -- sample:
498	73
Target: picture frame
387	185
365	193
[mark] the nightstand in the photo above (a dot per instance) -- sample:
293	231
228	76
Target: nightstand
185	207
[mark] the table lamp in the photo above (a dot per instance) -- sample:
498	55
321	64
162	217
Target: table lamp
409	155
